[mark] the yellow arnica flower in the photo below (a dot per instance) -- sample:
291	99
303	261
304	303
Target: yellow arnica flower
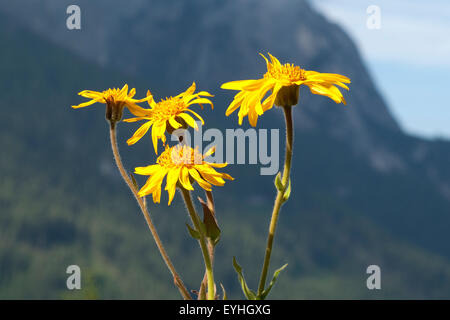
182	165
169	114
115	99
284	81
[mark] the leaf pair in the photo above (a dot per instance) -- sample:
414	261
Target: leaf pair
286	191
250	294
209	225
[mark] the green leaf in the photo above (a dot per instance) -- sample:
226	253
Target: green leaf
249	294
278	183
224	293
287	193
194	233
274	279
134	181
212	230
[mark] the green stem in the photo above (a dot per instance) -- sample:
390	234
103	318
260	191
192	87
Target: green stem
279	199
203	243
176	278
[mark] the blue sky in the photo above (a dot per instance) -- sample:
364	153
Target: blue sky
409	57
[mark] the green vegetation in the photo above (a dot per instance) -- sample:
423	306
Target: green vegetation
62	203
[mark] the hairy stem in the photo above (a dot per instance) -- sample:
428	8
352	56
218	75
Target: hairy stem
203	242
279	199
142	205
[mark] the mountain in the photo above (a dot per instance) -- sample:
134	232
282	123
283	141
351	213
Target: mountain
363	191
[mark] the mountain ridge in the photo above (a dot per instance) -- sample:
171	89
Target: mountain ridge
61	199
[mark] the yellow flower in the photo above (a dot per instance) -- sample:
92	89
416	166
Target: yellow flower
115	99
169	114
182	165
284	81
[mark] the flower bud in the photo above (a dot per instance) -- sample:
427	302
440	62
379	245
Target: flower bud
114	111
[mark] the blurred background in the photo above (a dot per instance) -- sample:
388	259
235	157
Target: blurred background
371	180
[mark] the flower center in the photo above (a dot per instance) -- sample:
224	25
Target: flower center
179	156
168	108
285	72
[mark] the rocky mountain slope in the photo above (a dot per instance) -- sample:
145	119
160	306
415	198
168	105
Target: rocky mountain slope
363	193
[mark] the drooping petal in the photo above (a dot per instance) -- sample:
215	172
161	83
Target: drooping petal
214	180
153	182
139	133
189	120
268	103
236	102
85	104
174	123
217	165
194	174
196	114
200	101
171	181
184	179
209	152
155	137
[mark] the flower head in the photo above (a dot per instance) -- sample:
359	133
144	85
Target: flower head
115	99
283	80
182	165
169	114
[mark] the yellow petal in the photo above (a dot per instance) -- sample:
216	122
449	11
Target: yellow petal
153	182
236	85
200	101
148	170
255	85
197	115
155	138
267	61
137	110
174	123
85	104
189	120
157	194
124	90
214	180
189	90
236	103
217	165
184	179
136	119
204	93
91	94
139	133
275	61
268	103
194	174
132	93
171	181
209	152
